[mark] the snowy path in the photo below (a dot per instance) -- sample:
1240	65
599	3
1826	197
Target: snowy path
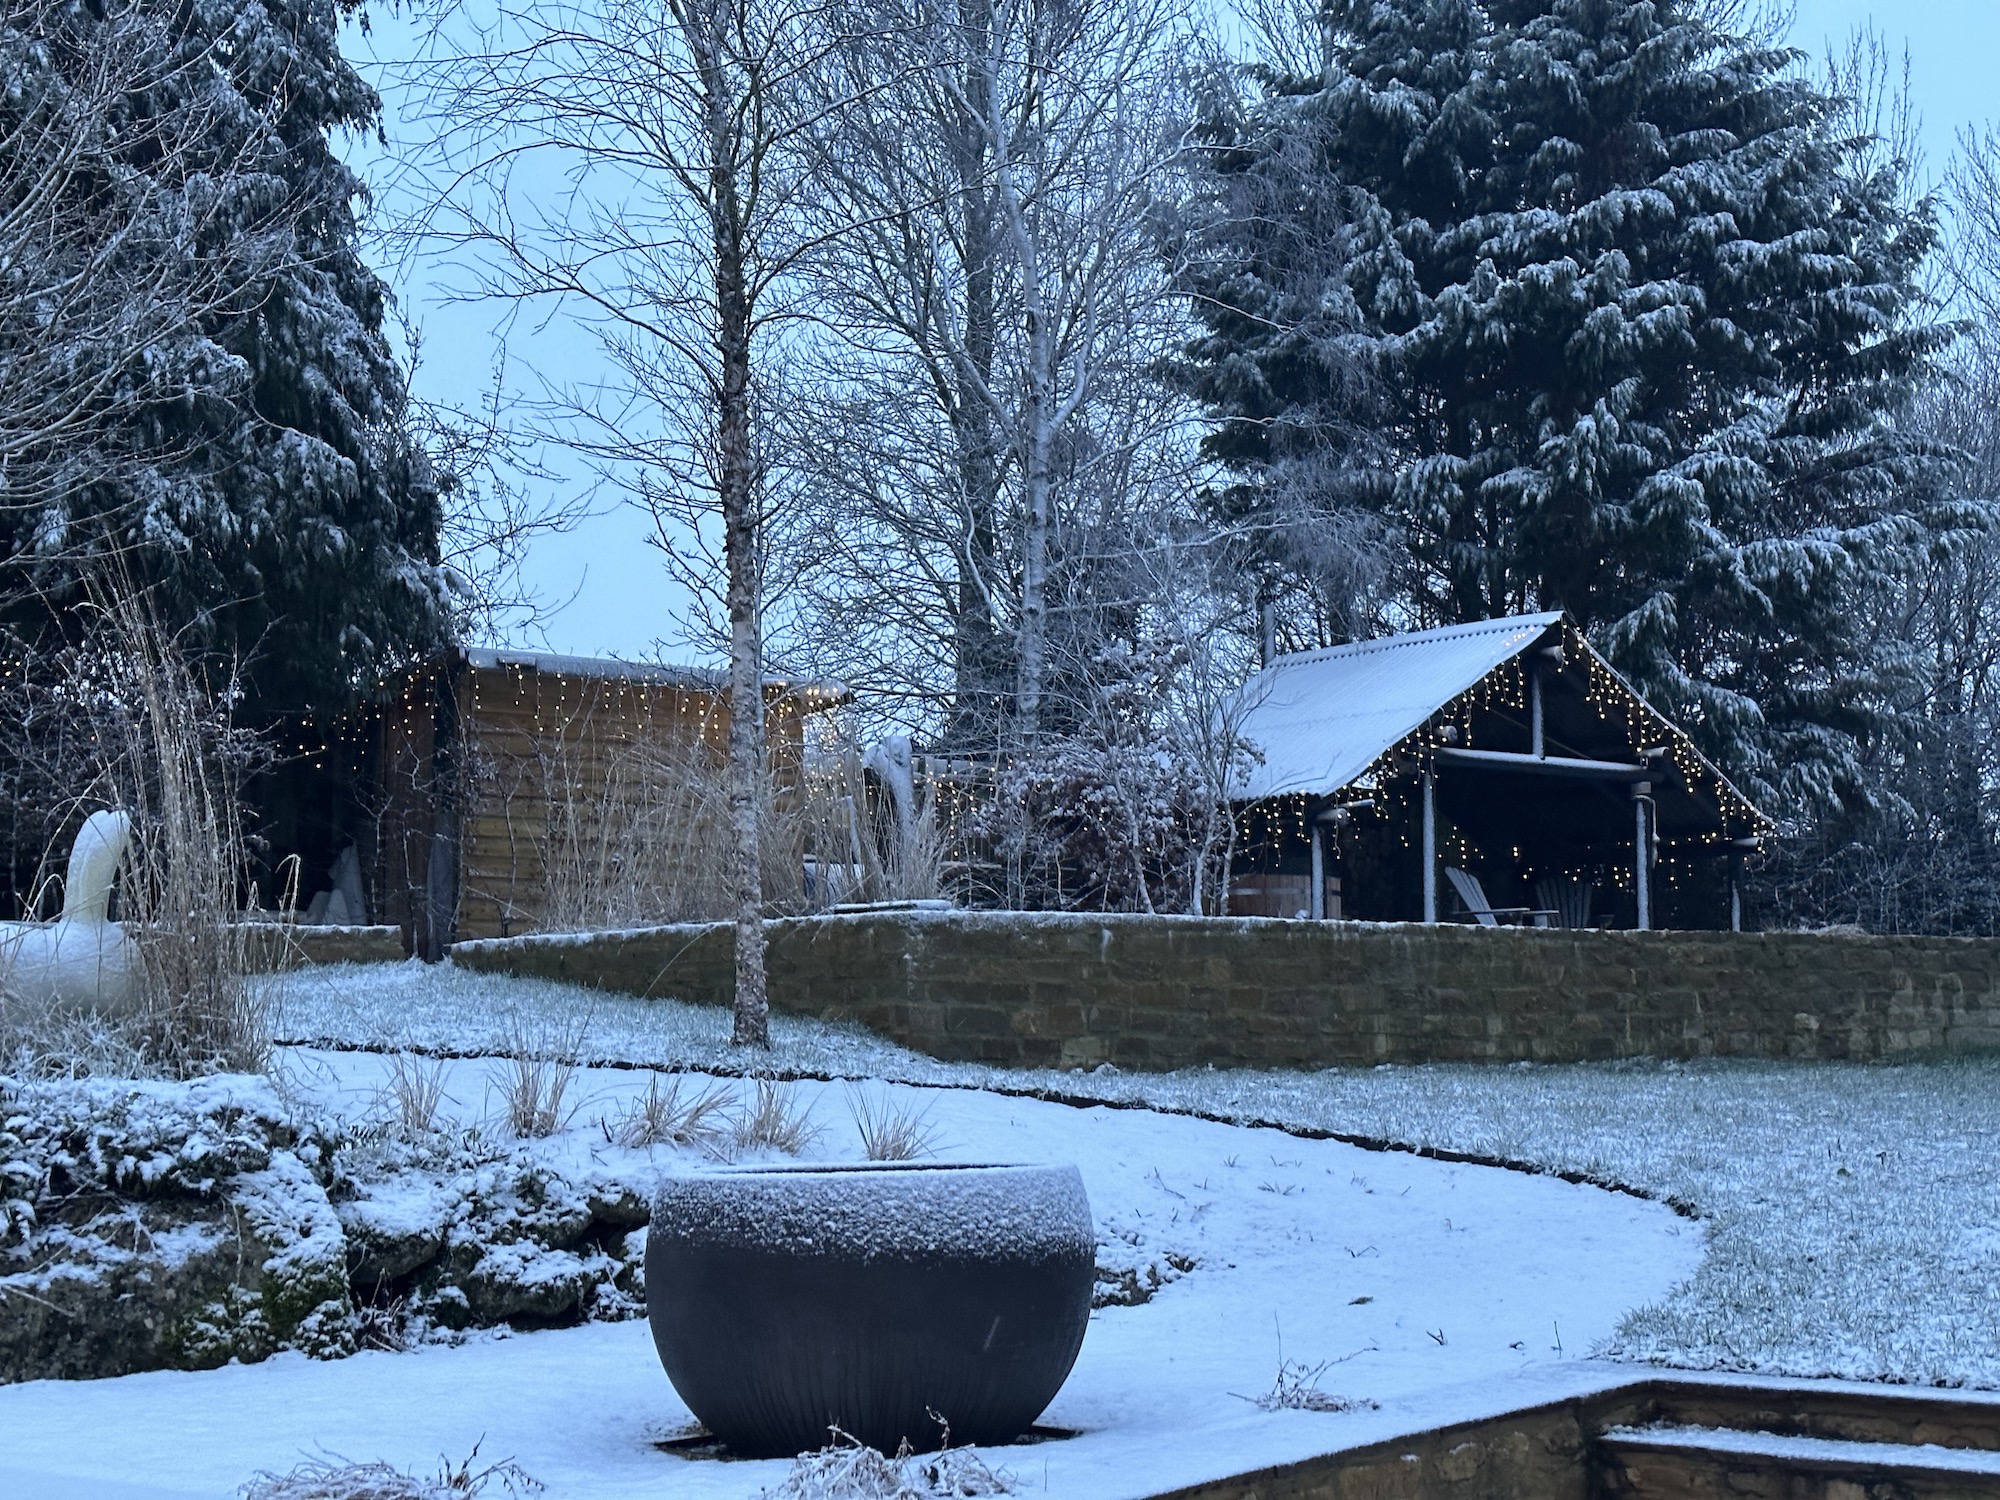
1417	1275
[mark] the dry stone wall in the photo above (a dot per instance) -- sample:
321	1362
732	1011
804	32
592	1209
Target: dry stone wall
1155	993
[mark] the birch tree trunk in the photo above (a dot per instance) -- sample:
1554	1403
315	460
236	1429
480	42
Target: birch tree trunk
729	94
677	126
736	488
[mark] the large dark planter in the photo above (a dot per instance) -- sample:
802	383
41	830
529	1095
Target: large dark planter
786	1300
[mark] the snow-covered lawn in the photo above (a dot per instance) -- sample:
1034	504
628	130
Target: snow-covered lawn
1851	1226
1407	1275
1854	1210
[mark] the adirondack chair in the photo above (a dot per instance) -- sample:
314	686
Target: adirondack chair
1568	897
1473	897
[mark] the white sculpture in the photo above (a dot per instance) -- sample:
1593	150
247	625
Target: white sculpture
82	958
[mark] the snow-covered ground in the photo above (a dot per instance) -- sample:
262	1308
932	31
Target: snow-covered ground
1409	1275
1851	1223
1854	1209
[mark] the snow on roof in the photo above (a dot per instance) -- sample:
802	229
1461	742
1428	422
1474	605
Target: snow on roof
671	674
1322	718
488	659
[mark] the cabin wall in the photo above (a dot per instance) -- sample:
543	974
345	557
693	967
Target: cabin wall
543	752
554	768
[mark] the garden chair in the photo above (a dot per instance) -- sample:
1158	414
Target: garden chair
1472	896
1570	899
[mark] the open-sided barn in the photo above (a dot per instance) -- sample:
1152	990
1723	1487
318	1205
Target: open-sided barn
1502	765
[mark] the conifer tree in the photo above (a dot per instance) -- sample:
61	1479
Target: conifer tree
258	472
1633	304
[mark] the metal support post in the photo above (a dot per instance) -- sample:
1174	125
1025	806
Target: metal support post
1318	906
1642	853
1430	850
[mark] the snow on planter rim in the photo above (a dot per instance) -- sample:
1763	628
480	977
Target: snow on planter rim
882	1210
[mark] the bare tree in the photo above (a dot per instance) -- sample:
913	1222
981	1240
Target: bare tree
635	165
997	296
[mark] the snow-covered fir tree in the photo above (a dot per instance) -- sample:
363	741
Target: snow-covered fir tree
1604	308
255	463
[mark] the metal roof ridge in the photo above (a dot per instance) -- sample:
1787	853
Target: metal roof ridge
1404	638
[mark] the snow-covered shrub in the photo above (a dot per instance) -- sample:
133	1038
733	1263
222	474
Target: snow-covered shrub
1127	810
337	1479
18	1181
1131	1270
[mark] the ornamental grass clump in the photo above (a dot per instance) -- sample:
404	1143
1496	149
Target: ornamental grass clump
771	1120
337	1479
662	1117
534	1078
890	1132
125	720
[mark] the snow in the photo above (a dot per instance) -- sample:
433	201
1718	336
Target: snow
1851	1225
1673	1438
1854	1218
1410	1275
881	1209
1854	1212
1320	719
440	1008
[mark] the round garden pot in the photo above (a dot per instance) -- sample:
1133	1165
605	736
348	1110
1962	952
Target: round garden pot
787	1300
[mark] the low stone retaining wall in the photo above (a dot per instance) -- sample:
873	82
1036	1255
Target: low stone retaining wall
275	946
1568	1449
1165	992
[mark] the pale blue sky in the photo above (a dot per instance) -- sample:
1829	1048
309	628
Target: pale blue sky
621	602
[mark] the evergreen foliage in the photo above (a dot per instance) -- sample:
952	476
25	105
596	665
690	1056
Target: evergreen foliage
267	488
1604	308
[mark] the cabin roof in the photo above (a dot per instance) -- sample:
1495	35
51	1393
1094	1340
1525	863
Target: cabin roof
1322	718
666	674
819	692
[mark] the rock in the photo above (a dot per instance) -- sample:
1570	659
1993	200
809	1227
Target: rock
154	1225
522	1280
617	1205
168	1225
398	1232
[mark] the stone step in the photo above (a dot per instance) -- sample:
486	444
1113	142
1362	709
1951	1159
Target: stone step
1673	1462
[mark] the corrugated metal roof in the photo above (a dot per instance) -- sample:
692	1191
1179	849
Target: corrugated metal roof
1321	718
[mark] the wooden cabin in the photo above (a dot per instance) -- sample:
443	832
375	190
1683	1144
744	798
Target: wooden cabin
1503	760
465	777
